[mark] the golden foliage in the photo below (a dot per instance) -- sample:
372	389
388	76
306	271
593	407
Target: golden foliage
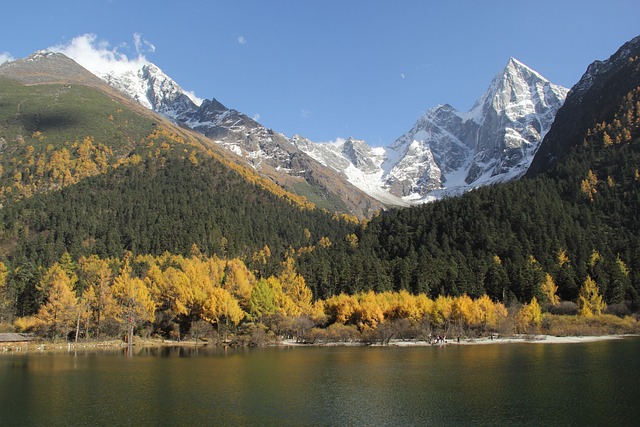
549	290
529	316
588	185
590	302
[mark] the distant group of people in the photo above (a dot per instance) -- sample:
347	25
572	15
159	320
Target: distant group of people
438	339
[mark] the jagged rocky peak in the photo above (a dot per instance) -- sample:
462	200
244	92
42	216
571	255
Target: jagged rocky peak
213	105
519	90
447	151
163	93
494	141
359	154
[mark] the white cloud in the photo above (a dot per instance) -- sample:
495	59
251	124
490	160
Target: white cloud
4	57
99	57
402	76
192	95
142	44
256	117
305	113
338	142
242	40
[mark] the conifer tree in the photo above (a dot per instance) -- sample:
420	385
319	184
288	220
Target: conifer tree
549	289
590	302
60	311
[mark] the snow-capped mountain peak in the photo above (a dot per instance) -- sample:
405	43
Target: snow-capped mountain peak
448	151
151	87
445	152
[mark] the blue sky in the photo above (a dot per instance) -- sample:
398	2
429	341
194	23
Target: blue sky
329	69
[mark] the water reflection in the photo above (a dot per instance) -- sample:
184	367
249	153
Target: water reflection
526	384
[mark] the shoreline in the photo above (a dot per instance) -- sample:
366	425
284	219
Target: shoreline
518	339
46	347
515	339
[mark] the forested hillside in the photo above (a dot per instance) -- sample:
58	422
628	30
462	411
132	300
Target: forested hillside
84	173
105	204
579	219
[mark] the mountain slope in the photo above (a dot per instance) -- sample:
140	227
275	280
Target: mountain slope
578	221
447	151
269	152
590	101
87	173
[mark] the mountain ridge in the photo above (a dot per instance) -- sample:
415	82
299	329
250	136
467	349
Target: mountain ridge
269	152
617	72
453	151
447	152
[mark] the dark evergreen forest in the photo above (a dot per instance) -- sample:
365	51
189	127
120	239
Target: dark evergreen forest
155	192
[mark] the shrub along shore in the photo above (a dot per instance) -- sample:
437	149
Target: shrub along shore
176	300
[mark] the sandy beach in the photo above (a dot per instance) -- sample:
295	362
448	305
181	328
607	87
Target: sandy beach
524	339
515	339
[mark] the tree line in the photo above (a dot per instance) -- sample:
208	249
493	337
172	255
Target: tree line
175	297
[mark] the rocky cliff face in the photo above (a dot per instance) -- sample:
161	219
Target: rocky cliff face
590	101
448	151
495	141
268	151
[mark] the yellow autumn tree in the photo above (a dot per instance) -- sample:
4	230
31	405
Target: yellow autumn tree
424	306
367	314
463	311
135	305
221	305
529	316
441	310
489	313
156	285
590	301
238	281
295	287
588	185
97	278
59	313
340	308
549	290
403	305
181	297
196	286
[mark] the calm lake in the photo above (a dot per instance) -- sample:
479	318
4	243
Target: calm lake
594	383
